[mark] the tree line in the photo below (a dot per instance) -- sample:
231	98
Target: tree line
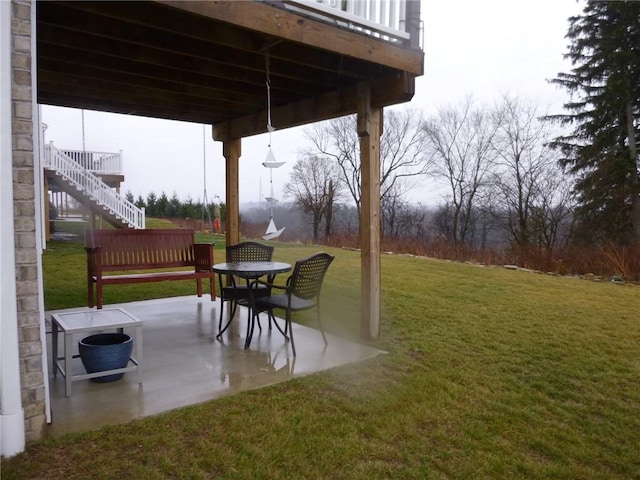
496	162
164	207
543	179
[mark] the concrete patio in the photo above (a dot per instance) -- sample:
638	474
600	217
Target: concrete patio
184	364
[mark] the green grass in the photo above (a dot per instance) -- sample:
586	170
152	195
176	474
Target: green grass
491	373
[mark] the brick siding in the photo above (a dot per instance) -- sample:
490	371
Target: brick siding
22	98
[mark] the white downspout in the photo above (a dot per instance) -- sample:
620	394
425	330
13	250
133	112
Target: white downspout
40	235
12	432
38	181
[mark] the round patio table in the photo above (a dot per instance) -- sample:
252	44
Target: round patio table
251	271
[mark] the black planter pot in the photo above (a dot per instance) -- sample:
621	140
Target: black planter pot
105	351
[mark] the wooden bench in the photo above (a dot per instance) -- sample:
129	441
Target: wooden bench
114	255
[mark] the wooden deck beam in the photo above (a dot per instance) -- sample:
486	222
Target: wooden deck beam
286	25
384	92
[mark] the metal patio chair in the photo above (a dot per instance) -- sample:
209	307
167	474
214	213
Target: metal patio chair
236	291
301	292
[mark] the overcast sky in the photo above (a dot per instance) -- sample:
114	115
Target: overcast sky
479	48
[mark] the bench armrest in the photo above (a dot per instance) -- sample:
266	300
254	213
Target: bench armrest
203	254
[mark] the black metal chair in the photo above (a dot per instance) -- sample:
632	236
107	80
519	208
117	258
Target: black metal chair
301	292
238	292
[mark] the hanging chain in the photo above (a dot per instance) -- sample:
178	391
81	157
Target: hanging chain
83	145
205	199
268	82
92	217
204	163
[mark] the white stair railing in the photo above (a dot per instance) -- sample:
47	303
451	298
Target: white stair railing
92	186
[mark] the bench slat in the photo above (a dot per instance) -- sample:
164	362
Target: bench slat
151	277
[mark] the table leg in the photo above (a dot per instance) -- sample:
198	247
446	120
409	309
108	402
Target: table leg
68	368
251	321
54	346
139	352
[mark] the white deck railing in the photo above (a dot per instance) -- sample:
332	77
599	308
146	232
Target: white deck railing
384	19
97	162
85	181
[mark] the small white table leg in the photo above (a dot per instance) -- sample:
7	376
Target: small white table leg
54	347
68	368
139	352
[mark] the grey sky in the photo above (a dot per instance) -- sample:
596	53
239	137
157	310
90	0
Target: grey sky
483	49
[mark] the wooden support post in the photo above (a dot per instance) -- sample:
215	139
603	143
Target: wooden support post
232	149
369	130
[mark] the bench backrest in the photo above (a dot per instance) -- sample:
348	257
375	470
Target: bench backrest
143	249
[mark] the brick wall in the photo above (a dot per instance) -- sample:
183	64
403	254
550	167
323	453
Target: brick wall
22	96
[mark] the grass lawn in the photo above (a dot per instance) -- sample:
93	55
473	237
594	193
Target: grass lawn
491	373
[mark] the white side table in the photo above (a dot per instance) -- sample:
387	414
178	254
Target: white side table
78	322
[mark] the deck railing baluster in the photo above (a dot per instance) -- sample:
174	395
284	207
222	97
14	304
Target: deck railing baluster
383	19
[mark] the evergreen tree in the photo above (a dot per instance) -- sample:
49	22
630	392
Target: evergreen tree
173	210
187	209
140	202
162	209
604	112
152	209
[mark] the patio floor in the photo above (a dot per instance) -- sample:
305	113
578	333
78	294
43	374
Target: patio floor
184	364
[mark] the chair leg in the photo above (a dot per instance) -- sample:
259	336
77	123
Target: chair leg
257	317
288	324
275	322
221	312
250	328
324	337
220	329
233	307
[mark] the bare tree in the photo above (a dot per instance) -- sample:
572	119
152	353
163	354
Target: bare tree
393	209
530	191
402	148
554	213
313	185
523	158
460	145
402	152
338	140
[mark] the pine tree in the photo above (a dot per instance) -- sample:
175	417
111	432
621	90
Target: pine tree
605	114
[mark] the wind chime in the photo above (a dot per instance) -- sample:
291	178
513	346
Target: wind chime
206	207
270	163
